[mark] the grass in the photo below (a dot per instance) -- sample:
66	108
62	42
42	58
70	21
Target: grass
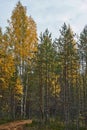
49	126
37	125
3	121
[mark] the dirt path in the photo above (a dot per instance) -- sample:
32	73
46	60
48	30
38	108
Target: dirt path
16	125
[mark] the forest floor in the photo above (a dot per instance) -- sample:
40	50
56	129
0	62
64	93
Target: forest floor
52	125
35	125
14	124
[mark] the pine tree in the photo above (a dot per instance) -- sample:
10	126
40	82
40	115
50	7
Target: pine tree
45	65
69	66
83	57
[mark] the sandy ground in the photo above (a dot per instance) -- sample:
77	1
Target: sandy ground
14	125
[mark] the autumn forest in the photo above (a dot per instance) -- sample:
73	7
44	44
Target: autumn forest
42	78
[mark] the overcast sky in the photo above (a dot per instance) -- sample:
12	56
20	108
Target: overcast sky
49	14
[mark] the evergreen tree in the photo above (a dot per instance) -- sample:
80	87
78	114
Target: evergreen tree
68	60
45	65
83	57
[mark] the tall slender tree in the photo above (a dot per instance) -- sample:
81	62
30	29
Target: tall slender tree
83	57
67	53
45	64
23	40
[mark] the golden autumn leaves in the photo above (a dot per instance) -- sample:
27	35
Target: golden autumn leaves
16	46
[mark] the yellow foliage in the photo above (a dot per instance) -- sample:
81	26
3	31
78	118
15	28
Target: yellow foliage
2	79
55	86
24	33
18	87
7	65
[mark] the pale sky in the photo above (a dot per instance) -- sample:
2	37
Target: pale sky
49	14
